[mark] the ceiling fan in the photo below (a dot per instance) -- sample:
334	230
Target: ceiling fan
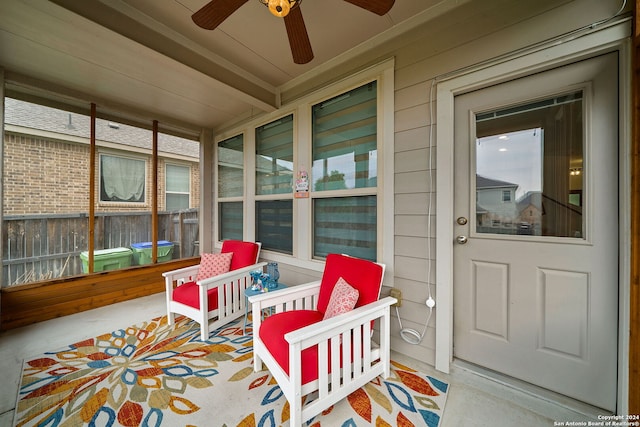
216	11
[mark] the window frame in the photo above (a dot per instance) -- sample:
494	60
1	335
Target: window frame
275	196
230	199
344	193
166	186
143	159
383	73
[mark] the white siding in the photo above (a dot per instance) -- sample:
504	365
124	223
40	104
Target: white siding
450	45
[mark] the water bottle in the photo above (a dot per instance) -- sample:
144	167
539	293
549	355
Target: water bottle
274	275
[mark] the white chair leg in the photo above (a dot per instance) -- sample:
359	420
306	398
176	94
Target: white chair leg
295	382
385	350
204	313
295	412
204	330
169	297
257	363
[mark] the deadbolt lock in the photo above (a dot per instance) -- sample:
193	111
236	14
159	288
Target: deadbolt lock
461	220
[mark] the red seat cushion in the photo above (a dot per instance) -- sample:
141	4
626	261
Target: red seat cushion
187	294
273	330
244	253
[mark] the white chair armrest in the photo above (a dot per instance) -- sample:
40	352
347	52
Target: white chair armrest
297	297
185	271
223	278
321	331
269	299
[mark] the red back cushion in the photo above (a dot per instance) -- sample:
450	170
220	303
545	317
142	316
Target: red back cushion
361	274
244	253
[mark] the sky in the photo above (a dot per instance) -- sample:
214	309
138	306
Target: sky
513	157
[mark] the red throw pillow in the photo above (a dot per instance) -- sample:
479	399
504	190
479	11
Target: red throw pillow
214	264
343	298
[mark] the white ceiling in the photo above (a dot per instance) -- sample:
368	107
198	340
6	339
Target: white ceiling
148	55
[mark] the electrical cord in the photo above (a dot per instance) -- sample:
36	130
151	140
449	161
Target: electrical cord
412	336
603	21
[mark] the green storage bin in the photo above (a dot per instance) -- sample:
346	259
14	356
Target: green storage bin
107	259
142	252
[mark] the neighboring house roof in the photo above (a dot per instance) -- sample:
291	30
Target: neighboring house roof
482	183
481	209
40	117
530	198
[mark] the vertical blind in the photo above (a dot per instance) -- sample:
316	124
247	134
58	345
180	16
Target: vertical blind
274	157
344	150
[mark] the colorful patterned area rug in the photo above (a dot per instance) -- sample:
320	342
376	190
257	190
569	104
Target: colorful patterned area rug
155	375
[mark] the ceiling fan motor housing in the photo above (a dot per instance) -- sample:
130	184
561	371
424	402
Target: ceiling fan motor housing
280	8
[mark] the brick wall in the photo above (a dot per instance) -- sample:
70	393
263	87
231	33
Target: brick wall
47	176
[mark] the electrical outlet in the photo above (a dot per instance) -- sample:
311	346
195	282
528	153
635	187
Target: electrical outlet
397	294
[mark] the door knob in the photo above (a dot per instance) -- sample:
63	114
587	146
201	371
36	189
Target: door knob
461	239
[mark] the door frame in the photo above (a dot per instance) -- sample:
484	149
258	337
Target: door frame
557	52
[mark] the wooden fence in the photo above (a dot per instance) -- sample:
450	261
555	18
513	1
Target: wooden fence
45	247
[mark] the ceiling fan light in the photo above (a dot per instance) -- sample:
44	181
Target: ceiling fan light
280	8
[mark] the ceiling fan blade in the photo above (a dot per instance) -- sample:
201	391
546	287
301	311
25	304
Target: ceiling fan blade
298	37
379	7
215	12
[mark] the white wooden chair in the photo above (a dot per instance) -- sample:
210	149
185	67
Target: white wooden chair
301	348
201	300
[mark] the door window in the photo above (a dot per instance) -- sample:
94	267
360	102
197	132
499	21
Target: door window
529	168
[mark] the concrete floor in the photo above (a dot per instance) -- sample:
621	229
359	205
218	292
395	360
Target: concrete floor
474	399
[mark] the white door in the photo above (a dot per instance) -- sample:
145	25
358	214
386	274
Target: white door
536	226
